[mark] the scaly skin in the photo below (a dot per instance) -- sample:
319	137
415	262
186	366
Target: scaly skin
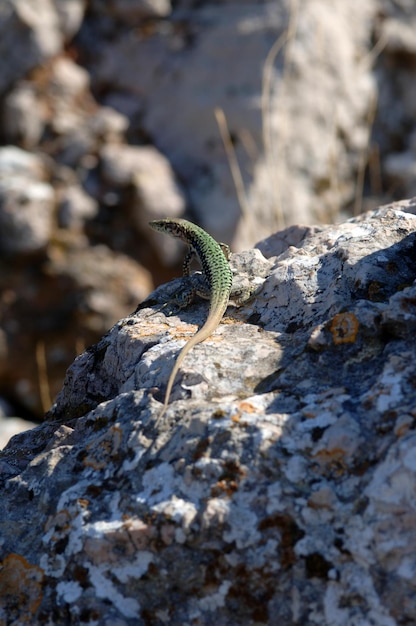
217	275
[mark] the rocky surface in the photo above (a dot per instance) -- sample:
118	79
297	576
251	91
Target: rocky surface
58	293
279	488
107	120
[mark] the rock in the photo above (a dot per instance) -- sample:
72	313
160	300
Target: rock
280	483
165	67
109	125
69	91
69	82
30	28
55	306
17	162
70	14
26	203
75	206
108	282
150	173
23	116
156	192
25	217
78	125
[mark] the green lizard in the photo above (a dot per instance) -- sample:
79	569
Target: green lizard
217	275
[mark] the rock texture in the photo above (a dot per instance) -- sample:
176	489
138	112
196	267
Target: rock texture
108	119
280	486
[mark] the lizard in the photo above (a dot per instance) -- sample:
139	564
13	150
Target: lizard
217	283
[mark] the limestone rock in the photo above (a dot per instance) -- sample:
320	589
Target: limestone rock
279	486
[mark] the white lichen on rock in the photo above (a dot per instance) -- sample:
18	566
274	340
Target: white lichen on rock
278	488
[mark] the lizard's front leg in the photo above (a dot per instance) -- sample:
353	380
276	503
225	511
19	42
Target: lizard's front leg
185	295
191	255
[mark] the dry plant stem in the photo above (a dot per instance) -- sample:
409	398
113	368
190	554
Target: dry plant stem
374	165
366	157
359	189
271	156
44	390
232	161
369	59
334	207
271	152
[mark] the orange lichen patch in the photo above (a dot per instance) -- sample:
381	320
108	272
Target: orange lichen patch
100	451
344	328
60	522
244	407
183	329
247	407
148	330
20	589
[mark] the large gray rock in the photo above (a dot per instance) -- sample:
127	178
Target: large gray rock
279	488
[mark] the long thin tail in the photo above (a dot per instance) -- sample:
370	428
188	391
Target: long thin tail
208	328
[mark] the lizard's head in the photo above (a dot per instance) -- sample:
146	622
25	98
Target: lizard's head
169	225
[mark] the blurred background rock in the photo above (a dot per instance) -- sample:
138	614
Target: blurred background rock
243	116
